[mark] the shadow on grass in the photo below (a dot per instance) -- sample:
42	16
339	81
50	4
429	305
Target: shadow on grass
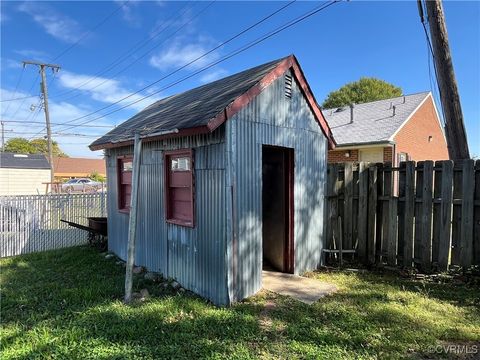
67	304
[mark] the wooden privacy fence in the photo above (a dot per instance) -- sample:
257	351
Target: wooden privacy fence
424	214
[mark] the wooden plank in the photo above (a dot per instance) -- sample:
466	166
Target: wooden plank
379	215
400	191
332	197
333	214
426	220
362	210
392	232
456	212
348	207
372	207
387	192
409	213
437	193
417	238
444	230
476	216
466	232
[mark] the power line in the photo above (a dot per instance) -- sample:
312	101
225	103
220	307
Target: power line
185	65
63	52
42	123
15	91
145	53
424	21
90	31
125	55
54	133
232	54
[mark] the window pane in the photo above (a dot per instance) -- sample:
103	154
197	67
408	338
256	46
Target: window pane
180	164
127	166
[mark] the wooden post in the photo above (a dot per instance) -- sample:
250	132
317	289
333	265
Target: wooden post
132	224
372	208
447	83
348	207
466	232
445	225
340	242
392	231
426	218
476	216
409	213
362	210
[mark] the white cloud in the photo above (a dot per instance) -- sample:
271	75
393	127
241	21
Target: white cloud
180	53
129	12
54	23
103	89
60	112
213	75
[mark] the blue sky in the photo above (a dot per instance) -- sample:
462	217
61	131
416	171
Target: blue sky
144	41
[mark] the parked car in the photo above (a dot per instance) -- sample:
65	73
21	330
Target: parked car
81	184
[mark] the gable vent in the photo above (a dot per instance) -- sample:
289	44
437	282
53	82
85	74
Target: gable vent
288	86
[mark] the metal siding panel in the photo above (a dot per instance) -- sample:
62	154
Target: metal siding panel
195	257
272	119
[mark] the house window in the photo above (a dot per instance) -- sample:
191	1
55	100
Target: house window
125	165
179	187
403	157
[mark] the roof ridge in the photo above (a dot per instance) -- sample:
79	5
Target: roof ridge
387	99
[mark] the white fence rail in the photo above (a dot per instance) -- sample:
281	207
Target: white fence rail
31	223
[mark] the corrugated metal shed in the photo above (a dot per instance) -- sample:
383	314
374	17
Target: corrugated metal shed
221	257
273	119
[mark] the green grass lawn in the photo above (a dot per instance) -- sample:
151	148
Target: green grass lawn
67	305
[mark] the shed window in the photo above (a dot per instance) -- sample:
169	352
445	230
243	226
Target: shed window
179	187
125	165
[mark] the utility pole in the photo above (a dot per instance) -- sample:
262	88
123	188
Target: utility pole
454	126
54	68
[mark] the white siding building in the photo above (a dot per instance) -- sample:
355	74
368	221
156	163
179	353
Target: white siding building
23	174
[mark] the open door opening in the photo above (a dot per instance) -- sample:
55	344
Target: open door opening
277	201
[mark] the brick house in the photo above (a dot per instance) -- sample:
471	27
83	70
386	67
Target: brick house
392	130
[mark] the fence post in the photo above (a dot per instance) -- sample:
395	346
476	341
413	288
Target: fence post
426	217
466	232
476	216
362	210
445	215
409	213
348	205
372	208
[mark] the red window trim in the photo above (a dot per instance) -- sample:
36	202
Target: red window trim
120	159
166	157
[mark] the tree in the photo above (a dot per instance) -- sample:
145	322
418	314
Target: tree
95	176
36	146
41	147
19	146
364	90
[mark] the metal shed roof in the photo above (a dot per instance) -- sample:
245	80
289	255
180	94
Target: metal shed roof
373	122
23	161
203	109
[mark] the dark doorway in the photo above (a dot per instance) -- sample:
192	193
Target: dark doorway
277	201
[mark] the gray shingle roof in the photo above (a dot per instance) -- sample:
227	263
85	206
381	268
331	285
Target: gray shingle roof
373	121
21	161
190	109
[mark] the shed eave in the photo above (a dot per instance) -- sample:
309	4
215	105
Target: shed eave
152	137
